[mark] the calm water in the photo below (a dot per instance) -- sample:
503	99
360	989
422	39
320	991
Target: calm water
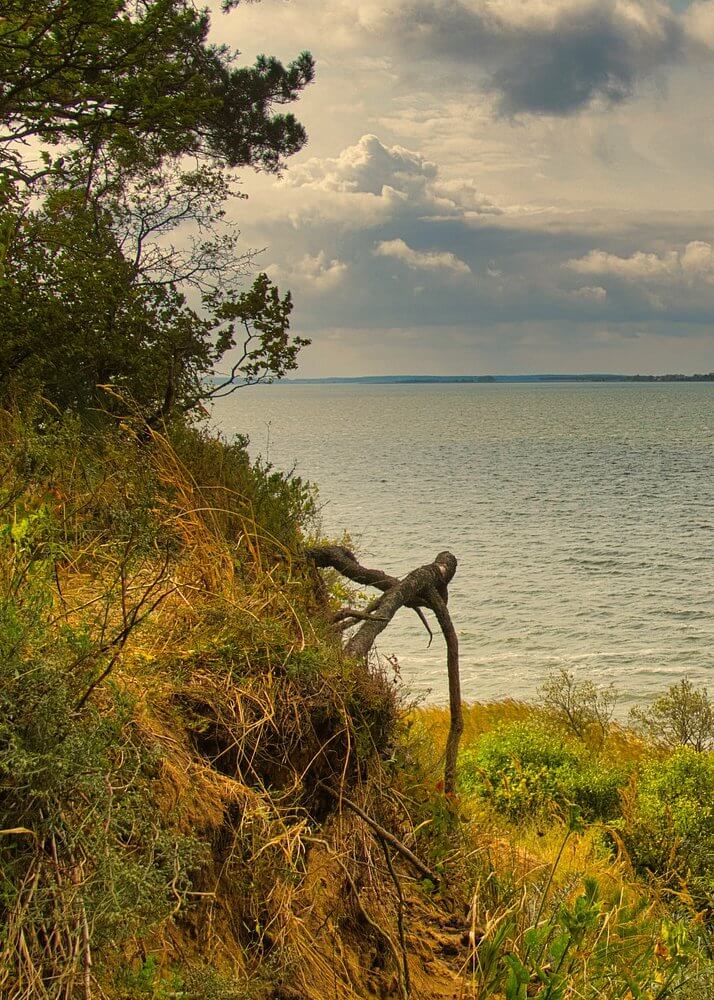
582	516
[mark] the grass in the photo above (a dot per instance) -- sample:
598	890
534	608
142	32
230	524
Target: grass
561	907
171	699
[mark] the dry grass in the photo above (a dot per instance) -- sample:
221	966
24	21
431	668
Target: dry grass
200	613
210	624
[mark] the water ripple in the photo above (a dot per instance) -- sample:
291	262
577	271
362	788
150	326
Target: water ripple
581	516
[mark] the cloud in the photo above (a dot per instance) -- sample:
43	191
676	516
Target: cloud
699	23
311	274
553	57
369	166
370	182
694	263
404	141
590	293
429	260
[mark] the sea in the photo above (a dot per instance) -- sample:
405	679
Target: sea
581	515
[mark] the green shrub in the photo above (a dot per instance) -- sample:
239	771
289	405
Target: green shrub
524	768
669	829
82	849
595	787
282	504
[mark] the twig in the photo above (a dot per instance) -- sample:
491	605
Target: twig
381	832
423	619
119	641
405	978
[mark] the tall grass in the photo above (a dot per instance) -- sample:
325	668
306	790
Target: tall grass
172	700
169	701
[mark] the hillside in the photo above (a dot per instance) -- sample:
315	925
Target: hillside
186	758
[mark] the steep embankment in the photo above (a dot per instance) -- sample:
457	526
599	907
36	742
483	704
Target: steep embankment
171	702
183	744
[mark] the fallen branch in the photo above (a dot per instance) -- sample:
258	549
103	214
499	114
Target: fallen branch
425	587
381	832
456	723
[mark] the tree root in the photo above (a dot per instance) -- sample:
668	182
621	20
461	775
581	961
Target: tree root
405	977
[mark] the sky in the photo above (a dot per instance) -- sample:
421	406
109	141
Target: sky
492	186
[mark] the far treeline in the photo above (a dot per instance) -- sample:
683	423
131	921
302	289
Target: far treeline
468	379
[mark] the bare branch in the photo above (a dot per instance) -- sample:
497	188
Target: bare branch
424	587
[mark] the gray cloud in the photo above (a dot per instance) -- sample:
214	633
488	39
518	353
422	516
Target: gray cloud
554	57
693	263
592	248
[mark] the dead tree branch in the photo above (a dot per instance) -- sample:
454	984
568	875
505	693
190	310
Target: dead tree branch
424	588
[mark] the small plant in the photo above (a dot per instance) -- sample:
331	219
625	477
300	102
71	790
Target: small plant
150	982
684	716
561	942
585	709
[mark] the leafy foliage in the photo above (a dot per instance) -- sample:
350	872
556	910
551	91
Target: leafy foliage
123	81
525	768
96	285
668	827
77	314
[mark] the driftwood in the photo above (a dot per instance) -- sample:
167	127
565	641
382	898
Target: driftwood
423	588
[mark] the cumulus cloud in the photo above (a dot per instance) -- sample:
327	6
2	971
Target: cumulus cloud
374	181
369	166
416	260
553	57
590	293
693	263
311	274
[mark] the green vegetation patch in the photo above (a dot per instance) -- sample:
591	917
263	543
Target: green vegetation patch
668	825
525	768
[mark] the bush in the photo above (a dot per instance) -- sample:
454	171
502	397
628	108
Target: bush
684	716
583	708
282	505
669	827
524	768
81	846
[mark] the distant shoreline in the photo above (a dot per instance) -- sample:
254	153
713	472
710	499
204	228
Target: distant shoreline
491	379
